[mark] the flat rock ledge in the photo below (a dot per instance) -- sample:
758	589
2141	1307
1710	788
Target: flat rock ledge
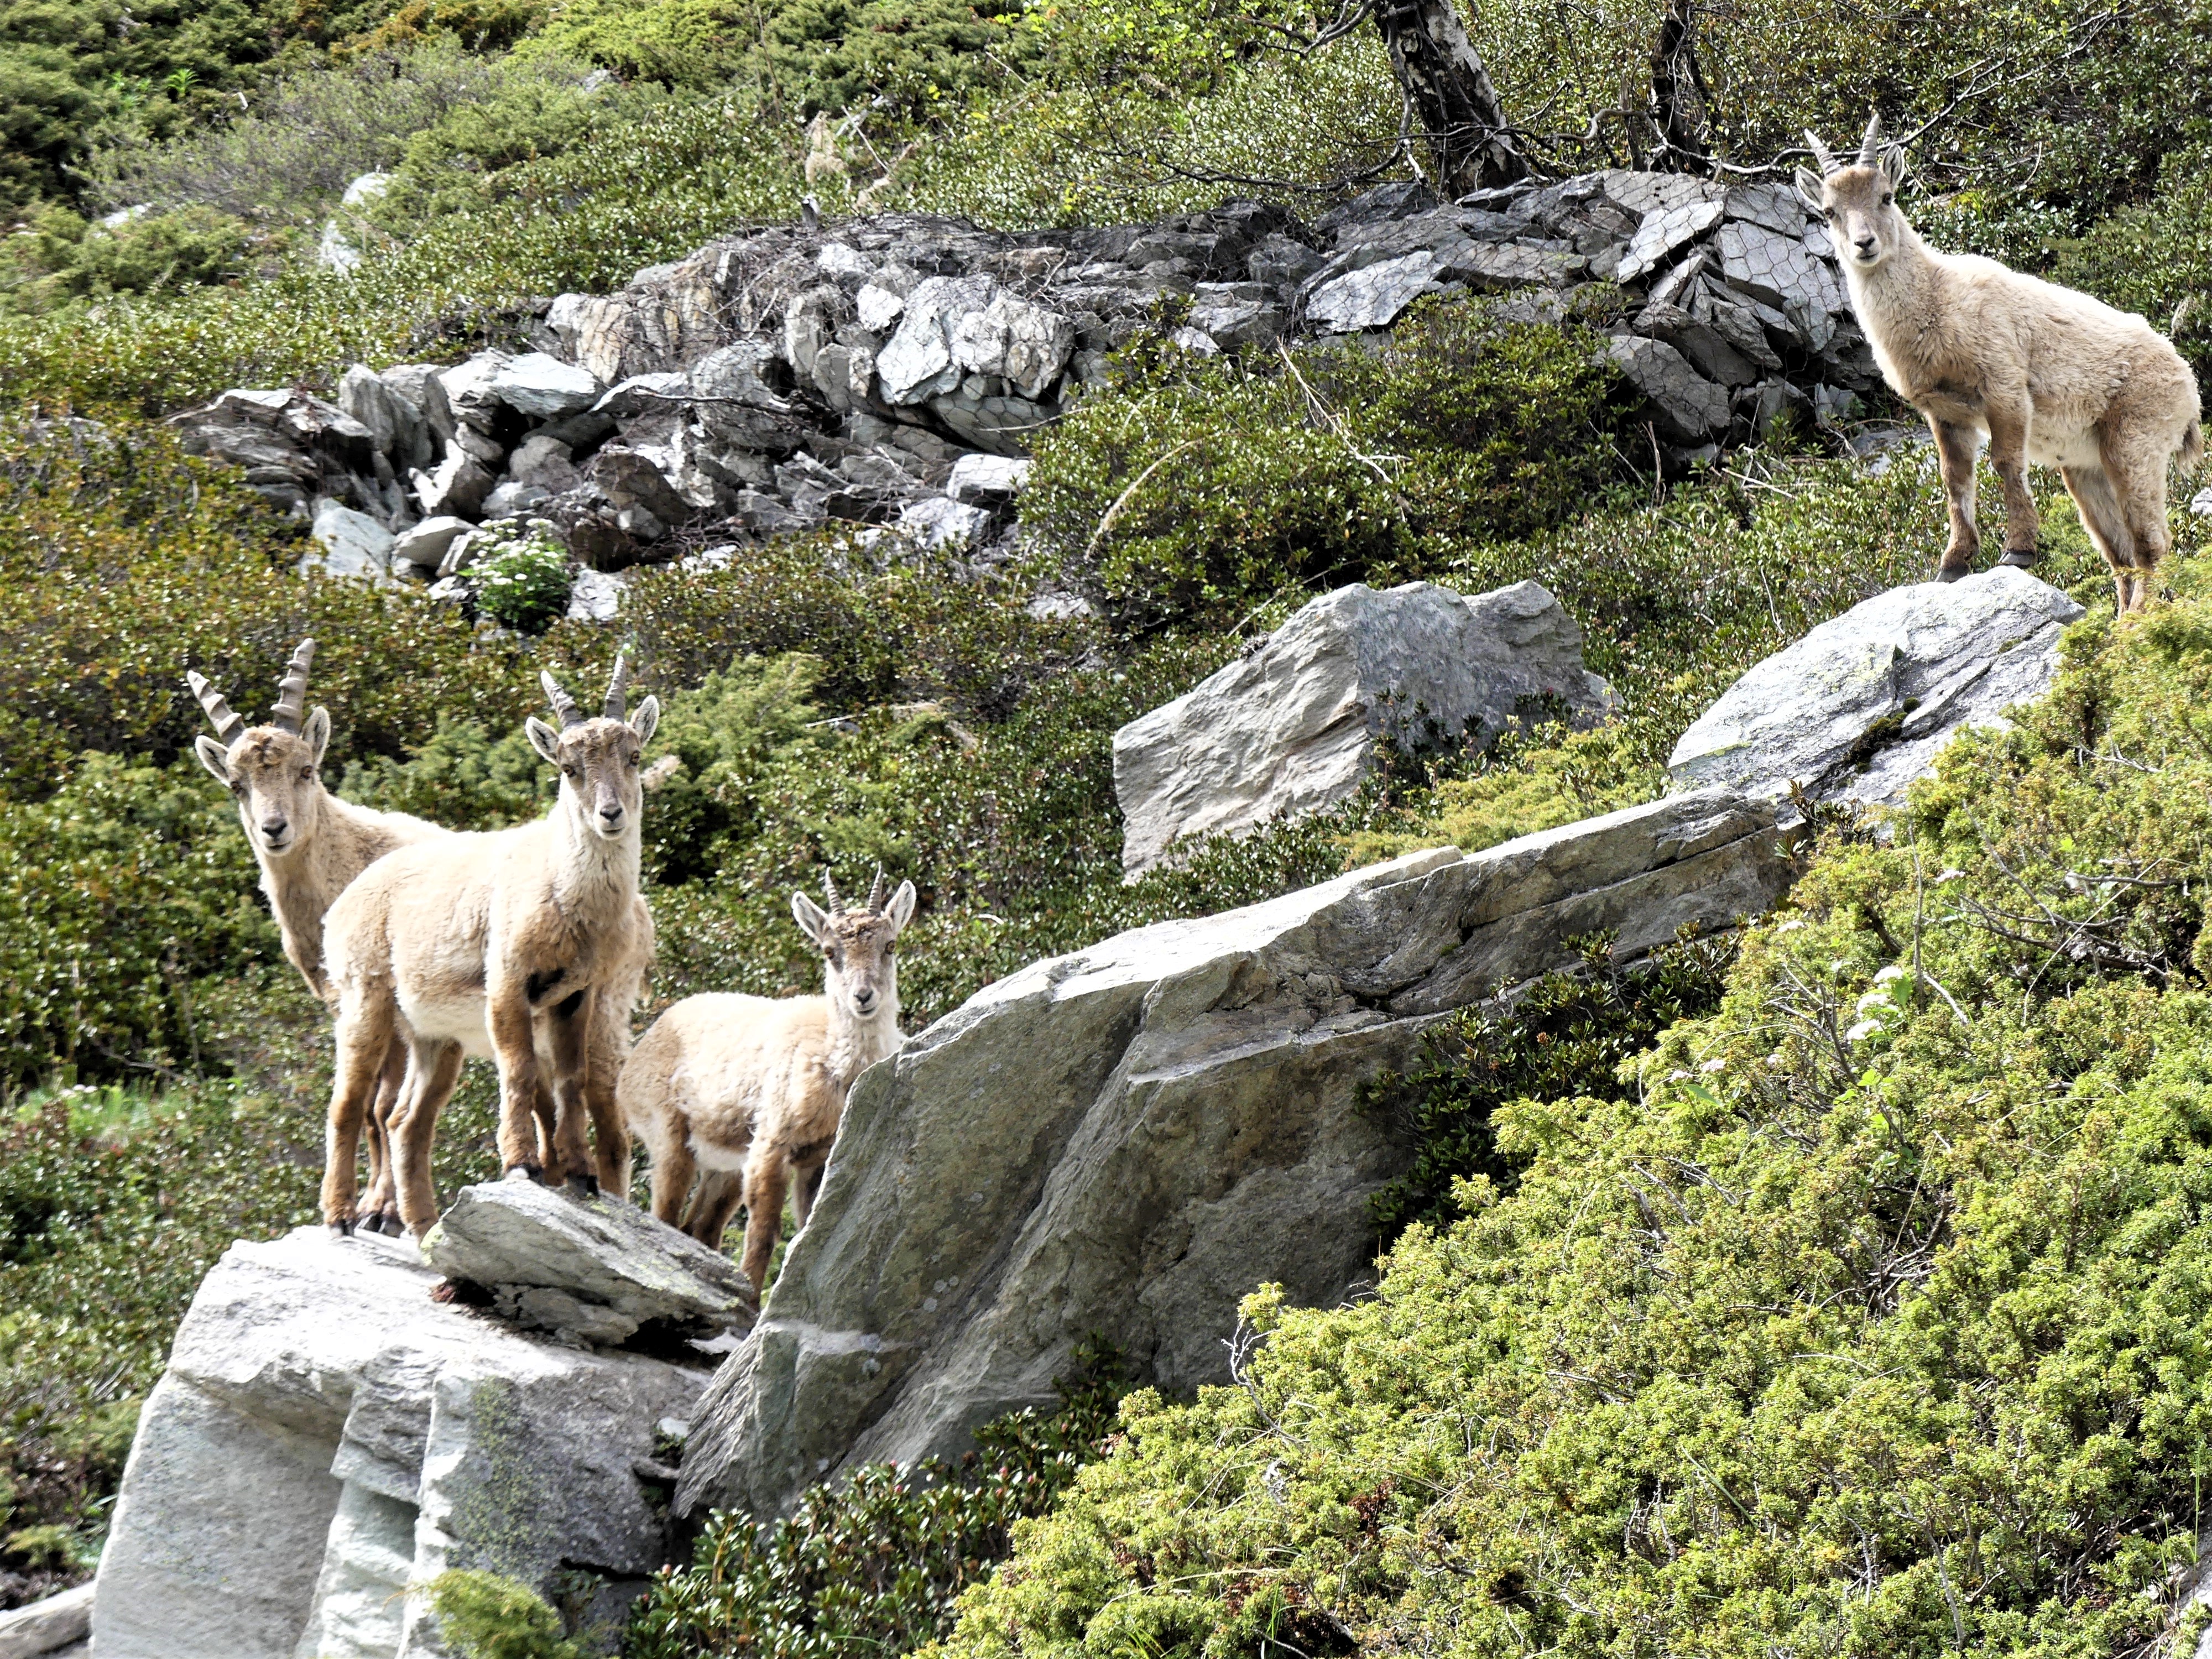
597	1270
1130	1138
56	1625
327	1437
1857	709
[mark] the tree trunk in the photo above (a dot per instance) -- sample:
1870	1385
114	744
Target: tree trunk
1678	93
1438	66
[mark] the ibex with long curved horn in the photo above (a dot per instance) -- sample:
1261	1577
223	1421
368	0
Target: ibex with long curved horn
528	945
2048	375
310	845
751	1090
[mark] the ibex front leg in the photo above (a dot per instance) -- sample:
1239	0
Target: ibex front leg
568	1031
1956	449
2008	455
514	1043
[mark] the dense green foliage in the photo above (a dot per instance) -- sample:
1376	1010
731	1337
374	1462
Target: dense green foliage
1863	1315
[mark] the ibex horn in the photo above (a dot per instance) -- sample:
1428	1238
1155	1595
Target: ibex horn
292	691
1820	153
618	704
830	887
876	893
563	704
1870	146
228	723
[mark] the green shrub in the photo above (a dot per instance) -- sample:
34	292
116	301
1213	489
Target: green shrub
2156	259
876	1563
1863	1316
521	575
488	1617
63	257
1195	487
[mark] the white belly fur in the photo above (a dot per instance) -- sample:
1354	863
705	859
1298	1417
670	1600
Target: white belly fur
461	1020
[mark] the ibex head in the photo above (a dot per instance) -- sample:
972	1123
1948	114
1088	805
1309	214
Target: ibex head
859	971
273	770
597	756
1859	201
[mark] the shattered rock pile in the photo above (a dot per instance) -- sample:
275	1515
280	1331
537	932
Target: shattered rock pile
890	371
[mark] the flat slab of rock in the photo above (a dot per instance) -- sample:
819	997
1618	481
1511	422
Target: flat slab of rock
327	1437
1130	1138
1855	710
598	1269
1292	728
47	1626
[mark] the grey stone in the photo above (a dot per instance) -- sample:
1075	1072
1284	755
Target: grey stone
1662	231
810	322
327	1437
471	389
635	477
1291	727
878	308
543	387
1371	297
1783	271
1196	341
47	1626
425	545
395	425
457	489
544	462
1857	709
937	522
514	501
1027	344
987	478
596	596
917	362
1690	407
1775	206
645	394
844	264
1130	1138
1495	268
1710	354
347	544
734	401
417	385
2200	504
601	1253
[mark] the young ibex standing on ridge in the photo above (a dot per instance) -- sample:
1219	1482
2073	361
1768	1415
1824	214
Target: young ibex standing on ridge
527	945
310	846
751	1089
2051	376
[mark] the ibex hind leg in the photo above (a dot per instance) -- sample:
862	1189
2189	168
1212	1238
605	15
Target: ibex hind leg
2099	504
720	1192
568	1031
1957	448
2140	482
379	1206
432	1070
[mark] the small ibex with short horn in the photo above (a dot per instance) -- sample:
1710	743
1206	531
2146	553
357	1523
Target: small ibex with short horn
528	945
751	1090
2048	375
310	845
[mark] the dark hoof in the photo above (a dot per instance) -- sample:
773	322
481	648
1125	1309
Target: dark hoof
2022	559
1952	573
389	1224
526	1172
342	1230
583	1186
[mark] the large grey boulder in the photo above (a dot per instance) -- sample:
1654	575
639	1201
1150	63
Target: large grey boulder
46	1626
1130	1138
543	387
397	426
1690	407
327	1438
917	363
347	543
1292	728
598	1269
1855	710
1372	297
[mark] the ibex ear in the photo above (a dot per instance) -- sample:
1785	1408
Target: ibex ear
1809	191
647	719
901	908
810	917
1892	163
317	732
214	756
544	739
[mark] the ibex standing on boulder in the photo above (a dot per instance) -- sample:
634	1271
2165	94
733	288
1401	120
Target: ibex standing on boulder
752	1089
2049	376
527	945
310	846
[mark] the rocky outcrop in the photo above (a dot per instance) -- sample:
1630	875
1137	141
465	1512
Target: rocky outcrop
1129	1139
58	1625
337	1425
1855	710
792	378
1293	726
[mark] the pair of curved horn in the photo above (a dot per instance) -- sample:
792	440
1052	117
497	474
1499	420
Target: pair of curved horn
873	907
616	708
1869	148
291	699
